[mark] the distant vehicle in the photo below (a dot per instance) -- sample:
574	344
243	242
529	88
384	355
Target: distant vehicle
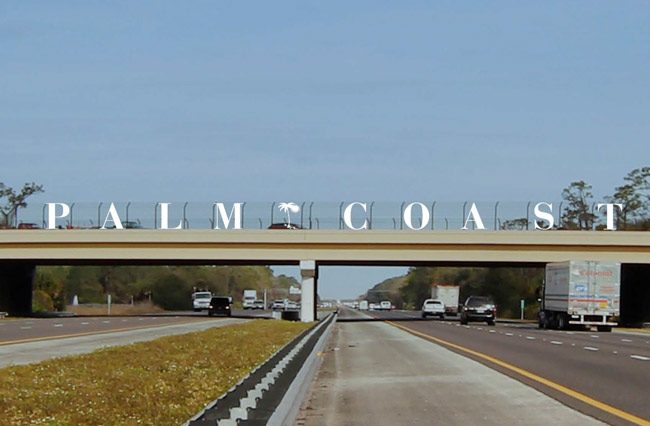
373	306
284	226
278	305
363	305
258	304
478	308
583	293
220	306
291	306
249	298
385	305
131	225
24	225
433	307
201	300
448	295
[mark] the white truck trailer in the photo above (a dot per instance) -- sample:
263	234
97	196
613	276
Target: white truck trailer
584	293
248	301
448	294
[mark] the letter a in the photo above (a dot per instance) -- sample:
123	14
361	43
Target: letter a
474	216
113	217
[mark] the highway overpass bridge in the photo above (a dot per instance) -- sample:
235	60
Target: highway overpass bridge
22	250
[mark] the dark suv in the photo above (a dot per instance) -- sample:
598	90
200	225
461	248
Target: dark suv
220	306
478	308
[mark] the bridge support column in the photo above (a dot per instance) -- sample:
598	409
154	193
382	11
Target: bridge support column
16	288
309	274
635	294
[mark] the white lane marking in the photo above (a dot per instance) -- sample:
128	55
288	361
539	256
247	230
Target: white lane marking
479	328
509	334
124	320
141	319
58	325
626	340
492	331
555	342
590	348
85	323
530	338
615	352
106	322
594	336
640	358
26	327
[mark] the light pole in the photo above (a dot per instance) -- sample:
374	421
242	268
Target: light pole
433	214
186	224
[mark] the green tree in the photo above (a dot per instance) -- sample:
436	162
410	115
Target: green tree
13	201
634	195
578	212
515	224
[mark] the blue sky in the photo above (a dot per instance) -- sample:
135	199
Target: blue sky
204	100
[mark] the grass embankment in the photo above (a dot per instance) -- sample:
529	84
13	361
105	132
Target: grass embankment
162	382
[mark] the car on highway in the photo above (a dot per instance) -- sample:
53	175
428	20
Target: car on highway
220	305
201	300
278	305
433	308
478	308
258	304
291	306
385	305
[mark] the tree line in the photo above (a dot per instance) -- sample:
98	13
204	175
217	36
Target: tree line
169	287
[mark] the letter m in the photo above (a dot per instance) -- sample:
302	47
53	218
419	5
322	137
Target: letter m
234	215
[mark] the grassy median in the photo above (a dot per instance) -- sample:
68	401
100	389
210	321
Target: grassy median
162	382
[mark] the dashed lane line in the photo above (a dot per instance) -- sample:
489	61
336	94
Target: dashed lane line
640	357
532	376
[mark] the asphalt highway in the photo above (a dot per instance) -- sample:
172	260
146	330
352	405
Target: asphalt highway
606	375
22	330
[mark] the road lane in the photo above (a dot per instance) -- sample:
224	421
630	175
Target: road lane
376	374
39	350
31	329
604	366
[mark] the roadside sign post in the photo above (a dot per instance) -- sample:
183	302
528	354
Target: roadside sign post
522	305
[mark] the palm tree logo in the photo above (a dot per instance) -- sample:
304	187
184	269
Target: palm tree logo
289	208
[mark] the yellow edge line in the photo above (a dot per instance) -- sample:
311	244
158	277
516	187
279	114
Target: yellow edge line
86	333
563	389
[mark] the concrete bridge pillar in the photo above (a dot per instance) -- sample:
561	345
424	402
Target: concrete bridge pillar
16	288
309	274
635	294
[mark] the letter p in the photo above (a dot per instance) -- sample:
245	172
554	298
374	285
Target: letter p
52	216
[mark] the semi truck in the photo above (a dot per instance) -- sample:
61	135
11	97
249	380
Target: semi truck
581	293
448	294
249	298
